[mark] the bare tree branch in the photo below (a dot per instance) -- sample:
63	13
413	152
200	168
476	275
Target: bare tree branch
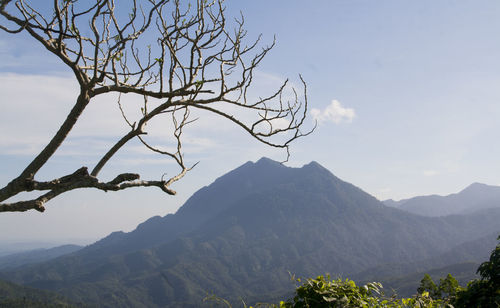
197	61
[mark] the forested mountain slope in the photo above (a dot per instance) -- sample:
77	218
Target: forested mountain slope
242	235
12	296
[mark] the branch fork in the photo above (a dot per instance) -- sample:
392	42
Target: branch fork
196	63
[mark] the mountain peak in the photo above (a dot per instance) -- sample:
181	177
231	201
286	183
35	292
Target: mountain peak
267	161
477	184
476	188
314	164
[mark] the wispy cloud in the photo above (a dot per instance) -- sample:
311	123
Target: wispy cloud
334	112
430	172
34	106
145	161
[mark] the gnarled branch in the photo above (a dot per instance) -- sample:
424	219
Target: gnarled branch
197	61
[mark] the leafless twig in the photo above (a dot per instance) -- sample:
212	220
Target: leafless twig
195	62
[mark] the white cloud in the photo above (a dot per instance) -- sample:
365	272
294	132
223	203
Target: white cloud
10	145
34	106
280	123
430	172
334	112
144	161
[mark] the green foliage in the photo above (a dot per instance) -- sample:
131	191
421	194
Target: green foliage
321	292
12	295
490	270
446	291
485	292
448	287
428	285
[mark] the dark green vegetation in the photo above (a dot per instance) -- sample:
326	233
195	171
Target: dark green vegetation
446	289
12	295
35	256
473	198
484	292
327	293
408	284
243	234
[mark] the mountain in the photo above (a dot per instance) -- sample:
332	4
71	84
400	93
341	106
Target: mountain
461	261
8	247
12	295
475	197
242	236
35	256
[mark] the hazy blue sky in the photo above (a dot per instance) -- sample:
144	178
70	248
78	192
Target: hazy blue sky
407	94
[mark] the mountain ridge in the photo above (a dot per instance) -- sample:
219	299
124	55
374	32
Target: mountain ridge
244	233
476	196
36	256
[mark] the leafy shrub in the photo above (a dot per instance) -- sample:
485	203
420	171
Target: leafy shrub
485	292
321	292
446	291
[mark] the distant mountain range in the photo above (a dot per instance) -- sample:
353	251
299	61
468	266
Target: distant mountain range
35	256
473	198
242	236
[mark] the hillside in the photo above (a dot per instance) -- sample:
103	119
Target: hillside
35	256
242	235
473	198
12	295
460	261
